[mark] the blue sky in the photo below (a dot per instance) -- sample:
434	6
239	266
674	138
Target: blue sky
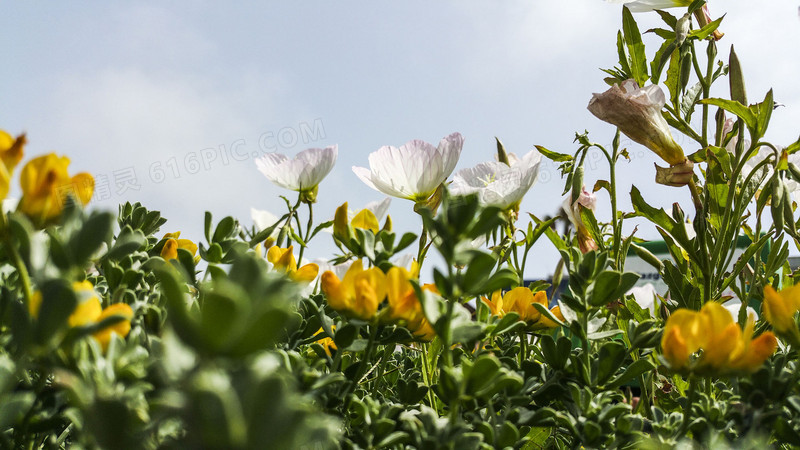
177	97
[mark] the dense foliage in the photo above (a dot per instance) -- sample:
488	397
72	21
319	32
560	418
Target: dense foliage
114	334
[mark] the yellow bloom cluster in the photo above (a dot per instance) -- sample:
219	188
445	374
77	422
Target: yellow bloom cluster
89	311
726	348
360	293
44	180
283	260
45	185
520	300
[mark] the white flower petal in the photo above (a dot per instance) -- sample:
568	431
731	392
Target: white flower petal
263	219
497	183
412	171
305	171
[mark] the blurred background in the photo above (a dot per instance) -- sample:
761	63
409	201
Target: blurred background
169	103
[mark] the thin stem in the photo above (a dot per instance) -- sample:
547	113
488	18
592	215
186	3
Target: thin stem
687	410
16	259
308	234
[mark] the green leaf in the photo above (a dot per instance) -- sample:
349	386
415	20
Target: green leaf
734	107
633	40
58	302
224	229
554	156
477	273
129	241
547	313
706	30
612	355
13	408
97	229
636	369
605	287
345	336
504	278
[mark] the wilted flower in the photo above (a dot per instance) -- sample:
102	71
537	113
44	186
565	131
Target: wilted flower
89	311
404	306
779	309
637	113
497	183
45	184
520	300
413	171
283	260
726	347
11	151
358	294
586	200
303	173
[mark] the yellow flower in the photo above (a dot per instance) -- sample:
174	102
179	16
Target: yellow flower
89	311
170	249
45	184
404	306
326	342
10	155
366	219
520	300
283	259
779	308
358	294
725	347
121	328
495	304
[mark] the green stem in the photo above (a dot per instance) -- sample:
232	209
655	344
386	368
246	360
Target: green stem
362	368
426	373
16	259
307	236
687	410
423	239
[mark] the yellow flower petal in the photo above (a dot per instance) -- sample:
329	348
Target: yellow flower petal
86	312
121	328
305	274
365	219
779	308
170	249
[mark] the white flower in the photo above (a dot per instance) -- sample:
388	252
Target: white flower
413	171
734	305
637	113
497	183
303	173
645	296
